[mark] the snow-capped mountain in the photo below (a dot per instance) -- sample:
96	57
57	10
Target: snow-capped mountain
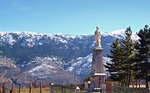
117	33
47	56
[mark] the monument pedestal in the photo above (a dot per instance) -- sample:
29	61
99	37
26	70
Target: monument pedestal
97	76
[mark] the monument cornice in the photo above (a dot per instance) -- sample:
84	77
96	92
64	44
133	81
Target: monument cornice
97	49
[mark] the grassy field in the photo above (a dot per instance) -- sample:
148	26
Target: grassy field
46	90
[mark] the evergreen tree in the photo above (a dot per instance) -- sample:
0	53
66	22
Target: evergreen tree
127	46
114	66
142	46
121	68
136	67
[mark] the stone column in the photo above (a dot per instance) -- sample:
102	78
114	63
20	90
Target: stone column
97	75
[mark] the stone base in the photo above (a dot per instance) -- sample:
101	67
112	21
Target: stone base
97	79
98	74
91	92
94	90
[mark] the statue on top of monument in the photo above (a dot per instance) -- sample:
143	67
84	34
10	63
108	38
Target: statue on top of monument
98	37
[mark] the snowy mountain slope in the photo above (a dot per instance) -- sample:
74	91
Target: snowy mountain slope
82	66
117	33
49	56
30	45
120	34
31	39
46	69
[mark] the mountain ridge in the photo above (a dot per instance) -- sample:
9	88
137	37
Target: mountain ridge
63	50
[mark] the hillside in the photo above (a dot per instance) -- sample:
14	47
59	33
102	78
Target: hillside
52	56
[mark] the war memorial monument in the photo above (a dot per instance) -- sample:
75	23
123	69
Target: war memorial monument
97	76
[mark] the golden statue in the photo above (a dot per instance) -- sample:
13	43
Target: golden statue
98	37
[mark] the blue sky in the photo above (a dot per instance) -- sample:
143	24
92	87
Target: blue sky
74	17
